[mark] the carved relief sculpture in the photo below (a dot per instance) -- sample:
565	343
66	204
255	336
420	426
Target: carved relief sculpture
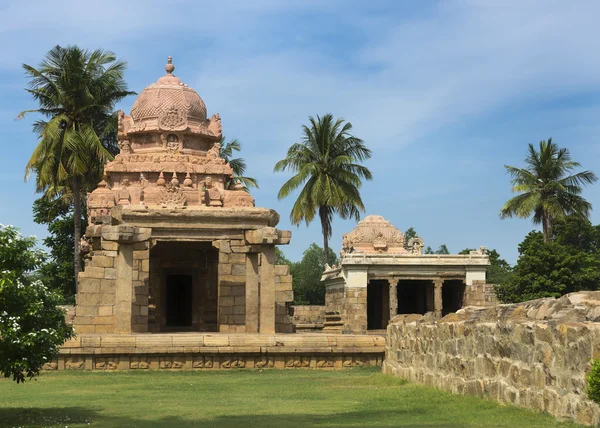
416	246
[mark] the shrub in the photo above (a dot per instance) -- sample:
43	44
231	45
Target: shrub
593	381
31	325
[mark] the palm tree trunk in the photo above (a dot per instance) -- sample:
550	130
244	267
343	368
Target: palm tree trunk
325	229
546	226
77	231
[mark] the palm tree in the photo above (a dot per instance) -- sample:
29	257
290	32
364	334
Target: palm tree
76	91
237	164
545	188
326	163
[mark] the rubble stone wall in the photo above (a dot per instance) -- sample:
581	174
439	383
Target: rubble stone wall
534	354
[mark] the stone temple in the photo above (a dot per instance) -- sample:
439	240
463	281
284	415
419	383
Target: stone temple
380	277
180	272
176	243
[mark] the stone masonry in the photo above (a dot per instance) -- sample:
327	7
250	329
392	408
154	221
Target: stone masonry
535	354
191	351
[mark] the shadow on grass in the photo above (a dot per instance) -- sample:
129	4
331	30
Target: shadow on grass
72	416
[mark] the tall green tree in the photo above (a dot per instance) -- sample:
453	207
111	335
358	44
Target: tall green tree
57	270
237	164
326	163
568	262
76	91
547	188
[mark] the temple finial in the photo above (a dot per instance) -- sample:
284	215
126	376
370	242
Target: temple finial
169	67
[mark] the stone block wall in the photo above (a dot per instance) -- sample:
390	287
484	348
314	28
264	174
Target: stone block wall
95	300
113	289
535	354
334	299
140	283
355	320
351	304
284	295
232	290
480	294
308	318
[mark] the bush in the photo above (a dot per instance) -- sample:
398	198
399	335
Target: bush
31	325
593	381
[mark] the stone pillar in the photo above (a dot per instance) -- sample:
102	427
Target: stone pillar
267	290
393	286
123	289
252	295
437	296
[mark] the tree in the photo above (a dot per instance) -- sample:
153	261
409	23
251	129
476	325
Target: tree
499	271
237	164
569	262
408	235
443	249
57	271
306	276
76	91
412	233
546	189
326	163
280	258
32	325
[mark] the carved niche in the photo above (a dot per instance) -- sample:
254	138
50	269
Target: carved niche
172	118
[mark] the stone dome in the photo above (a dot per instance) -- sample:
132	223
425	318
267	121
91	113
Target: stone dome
374	234
168	104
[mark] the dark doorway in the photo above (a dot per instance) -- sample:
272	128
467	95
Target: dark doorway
452	296
179	300
378	308
415	296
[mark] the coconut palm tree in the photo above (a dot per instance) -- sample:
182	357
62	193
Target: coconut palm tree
237	164
326	164
546	188
76	91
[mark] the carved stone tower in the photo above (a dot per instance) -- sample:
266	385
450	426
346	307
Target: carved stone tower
176	243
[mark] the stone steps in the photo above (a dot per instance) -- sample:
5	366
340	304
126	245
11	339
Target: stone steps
333	322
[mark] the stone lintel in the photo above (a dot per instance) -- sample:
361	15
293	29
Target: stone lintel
268	235
126	234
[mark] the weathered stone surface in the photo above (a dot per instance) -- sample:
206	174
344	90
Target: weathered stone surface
533	354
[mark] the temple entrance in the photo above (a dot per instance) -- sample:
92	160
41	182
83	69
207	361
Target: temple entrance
183	287
179	301
415	296
378	305
452	296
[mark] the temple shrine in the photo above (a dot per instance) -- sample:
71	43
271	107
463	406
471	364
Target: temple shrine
176	244
381	276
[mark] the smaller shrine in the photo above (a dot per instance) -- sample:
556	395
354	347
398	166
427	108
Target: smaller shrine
380	276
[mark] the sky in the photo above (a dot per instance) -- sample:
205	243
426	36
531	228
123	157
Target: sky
445	93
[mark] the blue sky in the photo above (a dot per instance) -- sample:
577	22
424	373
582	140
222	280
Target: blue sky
444	93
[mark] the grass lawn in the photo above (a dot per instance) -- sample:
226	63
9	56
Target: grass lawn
246	398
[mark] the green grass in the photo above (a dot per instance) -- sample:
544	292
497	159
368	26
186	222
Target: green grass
246	398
